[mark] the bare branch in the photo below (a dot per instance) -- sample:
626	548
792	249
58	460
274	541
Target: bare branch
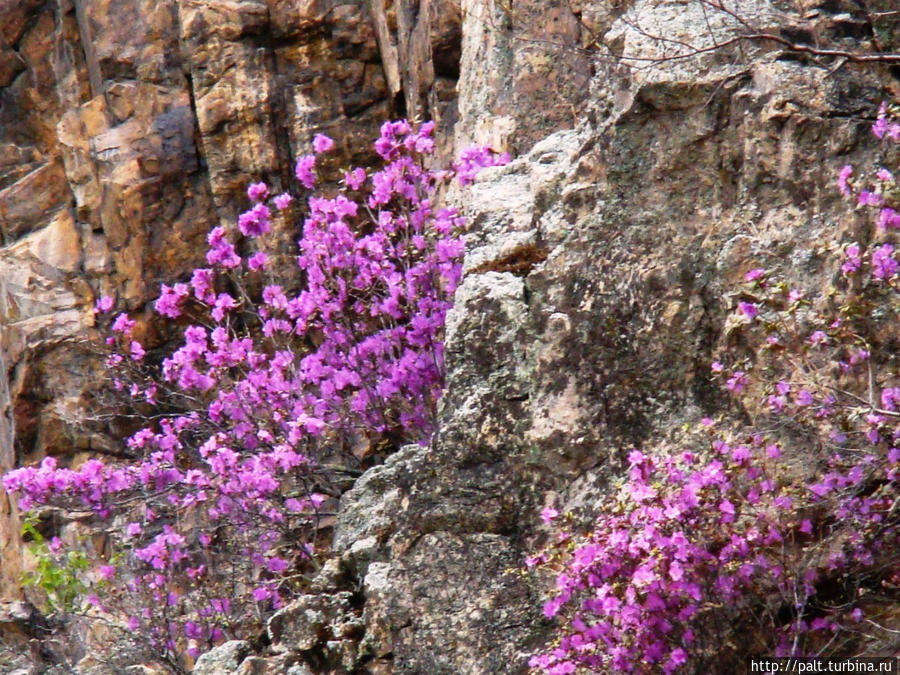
856	57
751	34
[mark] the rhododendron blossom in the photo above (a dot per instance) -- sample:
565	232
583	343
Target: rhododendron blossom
268	381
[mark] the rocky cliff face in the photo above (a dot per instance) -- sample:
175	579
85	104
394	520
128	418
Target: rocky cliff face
598	271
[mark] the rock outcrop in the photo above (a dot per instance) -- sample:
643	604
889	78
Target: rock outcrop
599	261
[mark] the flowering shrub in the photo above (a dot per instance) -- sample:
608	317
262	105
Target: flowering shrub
215	518
782	540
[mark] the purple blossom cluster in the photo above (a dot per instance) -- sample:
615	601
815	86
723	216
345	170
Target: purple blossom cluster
269	384
701	540
474	159
687	534
883	193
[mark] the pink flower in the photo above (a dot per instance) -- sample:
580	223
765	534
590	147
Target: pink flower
274	296
224	303
548	514
123	324
748	309
678	657
818	338
740	454
305	171
868	198
472	160
282	201
255	222
356	347
888	218
754	274
727	510
853	261
261	593
221	250
276	564
202	283
103	305
819	489
355	178
170	298
737	381
880	127
551	608
257	192
137	351
884	266
322	143
257	261
783	502
843	178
